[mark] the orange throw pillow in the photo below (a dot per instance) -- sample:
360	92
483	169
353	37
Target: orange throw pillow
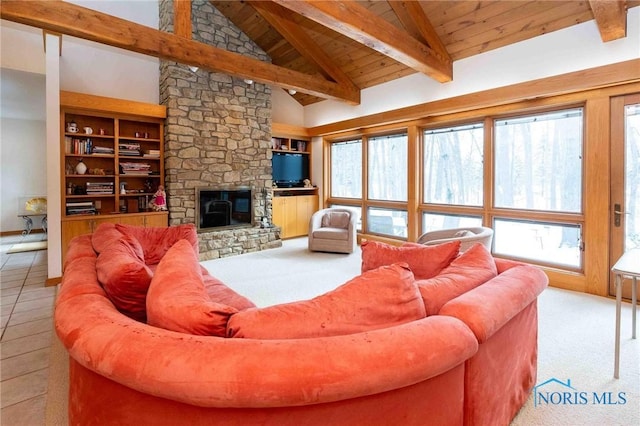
124	276
156	241
105	234
471	269
424	261
381	298
177	299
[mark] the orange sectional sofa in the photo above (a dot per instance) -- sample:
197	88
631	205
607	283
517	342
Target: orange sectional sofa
472	362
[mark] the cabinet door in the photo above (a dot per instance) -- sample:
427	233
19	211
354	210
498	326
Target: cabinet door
133	220
306	205
278	207
291	217
156	220
302	216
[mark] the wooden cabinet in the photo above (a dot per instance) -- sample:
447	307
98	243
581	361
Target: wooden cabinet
292	207
292	213
282	144
80	225
112	161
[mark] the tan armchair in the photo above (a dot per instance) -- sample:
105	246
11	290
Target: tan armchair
466	236
333	230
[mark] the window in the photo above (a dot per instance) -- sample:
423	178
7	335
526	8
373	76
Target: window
384	207
387	221
346	169
453	165
552	243
538	167
387	168
434	221
538	162
632	176
529	191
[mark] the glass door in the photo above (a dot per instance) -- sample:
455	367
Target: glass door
625	179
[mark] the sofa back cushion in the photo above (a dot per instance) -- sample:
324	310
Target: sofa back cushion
105	234
221	293
469	270
424	261
177	299
156	241
380	298
124	276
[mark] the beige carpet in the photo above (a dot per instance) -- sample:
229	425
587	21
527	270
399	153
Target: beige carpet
24	247
576	337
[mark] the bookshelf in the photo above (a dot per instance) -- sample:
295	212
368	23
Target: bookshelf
112	161
292	207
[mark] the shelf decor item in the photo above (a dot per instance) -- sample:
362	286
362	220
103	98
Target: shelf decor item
81	168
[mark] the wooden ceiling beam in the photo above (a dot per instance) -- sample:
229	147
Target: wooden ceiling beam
416	22
611	18
356	22
182	18
69	19
279	18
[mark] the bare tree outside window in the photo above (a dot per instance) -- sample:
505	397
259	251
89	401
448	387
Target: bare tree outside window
538	167
387	173
632	175
346	169
453	165
538	162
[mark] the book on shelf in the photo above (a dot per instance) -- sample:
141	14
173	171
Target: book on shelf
102	150
79	204
77	146
127	168
151	153
129	149
102	188
72	212
80	207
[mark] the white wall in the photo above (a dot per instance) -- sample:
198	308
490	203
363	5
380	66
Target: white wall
23	168
21	47
22	142
97	69
285	108
576	48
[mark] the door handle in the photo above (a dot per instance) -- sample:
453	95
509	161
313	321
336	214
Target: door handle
617	214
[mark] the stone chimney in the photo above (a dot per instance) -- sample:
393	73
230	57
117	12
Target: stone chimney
217	133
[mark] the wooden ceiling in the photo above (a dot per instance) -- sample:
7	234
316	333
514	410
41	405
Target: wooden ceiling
454	29
334	49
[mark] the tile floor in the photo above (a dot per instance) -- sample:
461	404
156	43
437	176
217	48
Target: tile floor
27	327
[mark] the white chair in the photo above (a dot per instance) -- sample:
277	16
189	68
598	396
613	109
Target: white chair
333	230
466	236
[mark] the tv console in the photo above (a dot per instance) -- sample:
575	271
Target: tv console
292	207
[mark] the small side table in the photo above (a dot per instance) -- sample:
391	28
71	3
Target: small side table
627	266
28	222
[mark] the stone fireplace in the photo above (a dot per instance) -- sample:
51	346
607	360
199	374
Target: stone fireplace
217	133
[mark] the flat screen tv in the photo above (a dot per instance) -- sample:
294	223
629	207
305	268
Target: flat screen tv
228	207
290	169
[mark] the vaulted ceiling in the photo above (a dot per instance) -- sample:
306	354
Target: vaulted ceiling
334	49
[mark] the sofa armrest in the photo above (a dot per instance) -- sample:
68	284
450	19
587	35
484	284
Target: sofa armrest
490	306
503	265
217	372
